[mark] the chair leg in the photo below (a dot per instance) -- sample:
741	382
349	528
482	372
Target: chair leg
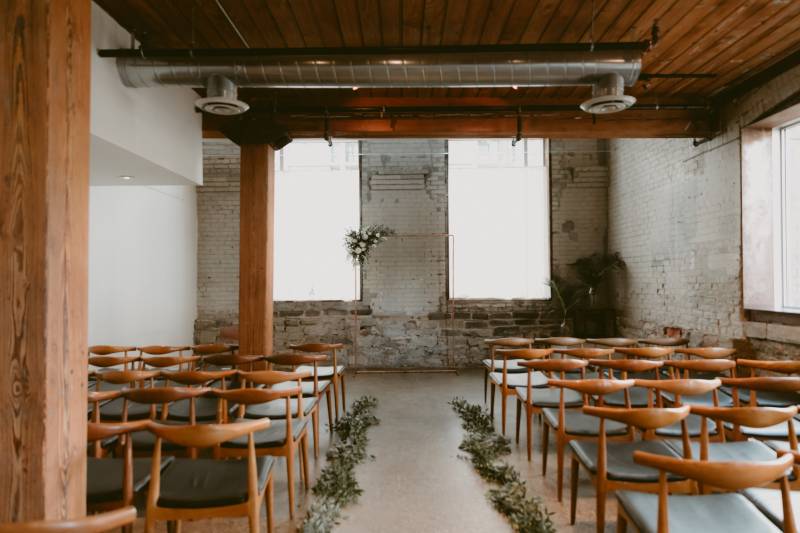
485	384
254	519
519	415
335	384
330	411
573	489
545	444
290	480
622	523
149	523
601	505
503	410
491	400
528	428
269	498
344	395
173	526
315	423
560	464
304	460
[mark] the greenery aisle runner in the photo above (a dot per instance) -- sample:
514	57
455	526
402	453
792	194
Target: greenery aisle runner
485	447
337	485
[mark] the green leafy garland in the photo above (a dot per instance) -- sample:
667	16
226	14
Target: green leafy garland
485	447
337	485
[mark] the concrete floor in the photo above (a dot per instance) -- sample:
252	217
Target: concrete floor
418	480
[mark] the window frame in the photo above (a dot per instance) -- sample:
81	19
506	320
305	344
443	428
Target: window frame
782	201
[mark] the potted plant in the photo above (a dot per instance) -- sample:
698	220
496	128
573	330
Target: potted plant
566	296
594	269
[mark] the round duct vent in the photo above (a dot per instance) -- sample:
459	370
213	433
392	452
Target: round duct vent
608	96
221	98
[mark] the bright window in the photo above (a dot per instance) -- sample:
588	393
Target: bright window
499	214
790	217
316	201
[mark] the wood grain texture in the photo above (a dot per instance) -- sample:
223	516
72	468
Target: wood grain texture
256	256
44	188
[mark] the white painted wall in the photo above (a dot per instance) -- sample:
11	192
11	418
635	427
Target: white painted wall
156	124
142	265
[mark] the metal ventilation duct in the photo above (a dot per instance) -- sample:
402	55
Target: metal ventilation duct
396	68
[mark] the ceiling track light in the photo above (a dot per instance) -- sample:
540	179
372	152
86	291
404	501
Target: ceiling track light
327	134
518	136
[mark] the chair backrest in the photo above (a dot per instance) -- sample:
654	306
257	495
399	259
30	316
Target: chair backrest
233	360
614	342
646	352
107	349
646	419
728	476
665	341
681	387
199	377
316	347
707	352
586	353
96	523
213	348
777	367
624	366
183	362
123	377
105	430
707	366
158	349
206	435
594	387
510	342
123	360
567	342
763	383
163	396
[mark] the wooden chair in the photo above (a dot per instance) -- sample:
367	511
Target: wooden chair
665	341
170	362
775	387
536	399
98	523
585	354
493	364
701	369
335	372
561	342
205	408
112	481
214	348
677	391
191	489
119	409
610	465
614	342
312	387
646	352
286	437
507	383
707	352
770	501
232	361
112	356
573	424
624	369
756	367
711	513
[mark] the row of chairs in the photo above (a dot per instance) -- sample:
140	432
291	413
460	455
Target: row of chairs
596	420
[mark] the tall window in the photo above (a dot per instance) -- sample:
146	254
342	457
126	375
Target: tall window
499	212
316	201
790	217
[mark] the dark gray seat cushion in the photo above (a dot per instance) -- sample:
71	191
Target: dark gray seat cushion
277	408
701	399
274	435
620	465
769	502
638	397
205	410
767	398
538	379
550	397
513	365
693	426
306	386
778	431
578	423
712	513
104	477
199	483
745	450
113	410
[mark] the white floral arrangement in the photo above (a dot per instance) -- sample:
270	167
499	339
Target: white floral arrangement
359	243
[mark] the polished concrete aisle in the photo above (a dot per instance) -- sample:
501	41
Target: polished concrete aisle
418	482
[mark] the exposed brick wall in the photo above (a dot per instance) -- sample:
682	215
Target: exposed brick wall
403	318
675	214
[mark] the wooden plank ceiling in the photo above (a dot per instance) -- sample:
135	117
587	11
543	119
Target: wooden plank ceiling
732	40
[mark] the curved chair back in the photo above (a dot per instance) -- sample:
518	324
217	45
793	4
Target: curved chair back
564	342
232	360
777	367
706	366
665	341
510	342
163	396
593	387
198	377
585	353
681	387
764	383
646	352
294	360
205	435
96	523
123	377
158	349
625	366
182	362
213	348
614	342
108	349
644	418
124	360
707	352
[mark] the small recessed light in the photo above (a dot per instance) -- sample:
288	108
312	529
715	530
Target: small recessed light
126	177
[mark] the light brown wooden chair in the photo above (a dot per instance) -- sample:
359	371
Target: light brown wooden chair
119	409
111	482
625	369
506	383
104	355
573	424
494	364
707	352
665	341
97	523
235	361
214	348
646	352
205	408
286	437
757	367
585	354
312	387
711	513
191	489
170	362
610	464
753	389
536	399
680	391
335	372
770	501
614	342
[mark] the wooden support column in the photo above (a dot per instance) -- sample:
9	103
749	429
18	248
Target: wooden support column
44	188
257	225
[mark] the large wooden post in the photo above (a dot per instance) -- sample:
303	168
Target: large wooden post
44	188
257	227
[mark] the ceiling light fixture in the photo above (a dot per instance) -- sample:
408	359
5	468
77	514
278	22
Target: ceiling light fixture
355	88
126	177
